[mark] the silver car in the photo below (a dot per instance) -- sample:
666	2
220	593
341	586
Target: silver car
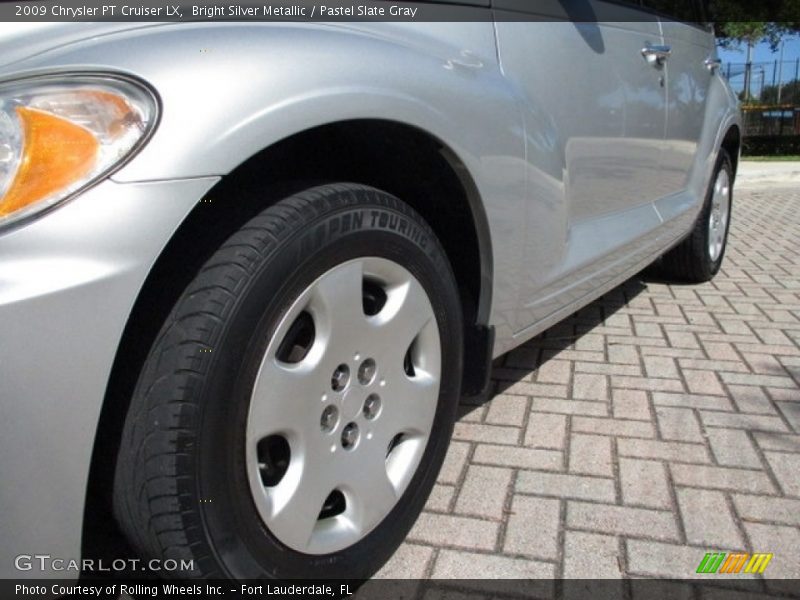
248	269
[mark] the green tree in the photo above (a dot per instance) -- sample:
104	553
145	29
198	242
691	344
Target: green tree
751	22
748	22
790	93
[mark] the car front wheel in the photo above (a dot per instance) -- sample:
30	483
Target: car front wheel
292	416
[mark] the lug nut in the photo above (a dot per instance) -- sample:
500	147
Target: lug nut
366	372
340	378
372	406
329	418
349	436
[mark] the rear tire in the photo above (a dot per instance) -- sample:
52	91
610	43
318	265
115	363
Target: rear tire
699	257
254	445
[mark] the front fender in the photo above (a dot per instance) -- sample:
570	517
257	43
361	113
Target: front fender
230	90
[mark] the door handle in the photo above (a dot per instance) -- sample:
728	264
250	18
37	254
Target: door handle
656	55
712	64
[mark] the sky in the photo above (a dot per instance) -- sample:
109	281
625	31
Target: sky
762	52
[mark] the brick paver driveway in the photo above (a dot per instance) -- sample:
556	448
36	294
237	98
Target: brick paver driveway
659	423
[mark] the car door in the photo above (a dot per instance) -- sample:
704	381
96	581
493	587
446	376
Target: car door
688	76
595	115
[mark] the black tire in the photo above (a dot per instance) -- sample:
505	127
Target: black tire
182	443
691	260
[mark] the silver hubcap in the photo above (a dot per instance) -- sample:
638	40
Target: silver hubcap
718	219
343	405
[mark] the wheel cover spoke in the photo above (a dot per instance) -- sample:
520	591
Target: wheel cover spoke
296	502
406	312
369	490
355	420
283	399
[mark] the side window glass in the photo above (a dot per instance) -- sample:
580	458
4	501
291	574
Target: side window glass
679	10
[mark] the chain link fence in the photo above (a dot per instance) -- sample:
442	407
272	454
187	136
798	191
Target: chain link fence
770	96
765	83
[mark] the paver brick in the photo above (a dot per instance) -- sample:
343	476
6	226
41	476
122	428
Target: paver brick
591	556
521	458
785	511
451	564
483	493
660	366
626	355
703	382
536	390
555	371
749	399
631	404
678	424
475	432
672	352
533	525
756	379
778	441
507	410
587	386
721	351
679	339
670	451
613	427
622	520
570	407
608	368
785	395
590	455
787	470
710	365
644	483
448	530
738	480
546	430
742	421
566	486
440	498
791	412
691	401
409	562
707	519
764	364
733	448
644	383
454	462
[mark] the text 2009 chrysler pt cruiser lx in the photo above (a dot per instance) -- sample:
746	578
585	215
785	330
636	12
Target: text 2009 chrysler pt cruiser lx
248	269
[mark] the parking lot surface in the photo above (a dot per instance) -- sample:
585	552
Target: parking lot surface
660	423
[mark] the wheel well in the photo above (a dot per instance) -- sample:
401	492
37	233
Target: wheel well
732	143
396	158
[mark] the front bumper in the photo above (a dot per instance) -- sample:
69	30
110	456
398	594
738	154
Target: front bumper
68	282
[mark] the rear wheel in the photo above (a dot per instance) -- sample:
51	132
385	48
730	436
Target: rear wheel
699	257
294	412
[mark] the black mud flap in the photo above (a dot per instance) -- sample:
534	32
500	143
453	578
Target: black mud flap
478	349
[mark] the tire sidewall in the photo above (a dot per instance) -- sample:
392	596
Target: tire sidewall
241	543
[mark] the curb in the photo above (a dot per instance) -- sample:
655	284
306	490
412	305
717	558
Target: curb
765	174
